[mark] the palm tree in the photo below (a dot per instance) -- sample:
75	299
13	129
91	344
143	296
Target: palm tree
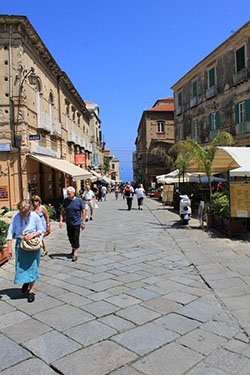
161	153
205	156
181	154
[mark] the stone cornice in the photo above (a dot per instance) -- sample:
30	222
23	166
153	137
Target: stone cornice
39	46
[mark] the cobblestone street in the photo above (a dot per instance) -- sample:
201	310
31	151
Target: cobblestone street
146	296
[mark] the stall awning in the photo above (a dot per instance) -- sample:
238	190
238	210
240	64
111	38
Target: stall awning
63	166
94	173
226	158
241	172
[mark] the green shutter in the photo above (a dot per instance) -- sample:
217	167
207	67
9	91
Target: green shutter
180	99
237	120
210	121
240	58
247	109
194	89
211	77
217	119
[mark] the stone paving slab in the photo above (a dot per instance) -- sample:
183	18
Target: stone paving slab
138	314
11	353
174	358
98	359
32	366
145	339
63	317
151	296
51	346
90	332
25	331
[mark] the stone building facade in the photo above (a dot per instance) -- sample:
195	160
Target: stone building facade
215	94
44	122
156	130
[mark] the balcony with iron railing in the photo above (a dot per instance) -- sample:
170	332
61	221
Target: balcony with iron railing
193	101
179	110
240	76
211	91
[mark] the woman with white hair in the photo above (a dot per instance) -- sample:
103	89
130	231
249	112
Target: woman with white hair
75	219
140	192
28	224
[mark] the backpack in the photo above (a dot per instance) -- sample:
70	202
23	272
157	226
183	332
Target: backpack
127	192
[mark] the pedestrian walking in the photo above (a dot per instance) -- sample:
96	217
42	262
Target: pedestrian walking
140	192
99	193
25	224
104	193
75	219
42	212
116	192
89	199
128	193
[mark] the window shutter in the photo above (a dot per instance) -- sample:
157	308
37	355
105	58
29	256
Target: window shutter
211	77
237	120
247	109
194	89
217	119
210	121
240	58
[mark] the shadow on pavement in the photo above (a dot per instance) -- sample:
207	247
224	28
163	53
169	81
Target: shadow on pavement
60	255
176	225
13	293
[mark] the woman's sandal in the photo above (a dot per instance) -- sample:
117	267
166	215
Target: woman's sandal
74	258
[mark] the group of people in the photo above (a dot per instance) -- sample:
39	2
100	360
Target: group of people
129	193
32	222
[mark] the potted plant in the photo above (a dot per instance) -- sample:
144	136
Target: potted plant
3	248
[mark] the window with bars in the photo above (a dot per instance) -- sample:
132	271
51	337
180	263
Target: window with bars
160	127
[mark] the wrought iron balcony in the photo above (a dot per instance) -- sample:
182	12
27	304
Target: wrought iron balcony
240	76
193	101
179	110
211	92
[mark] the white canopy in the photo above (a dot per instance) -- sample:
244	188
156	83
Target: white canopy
173	177
241	171
63	166
226	158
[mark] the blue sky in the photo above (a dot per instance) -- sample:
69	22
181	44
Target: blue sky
124	55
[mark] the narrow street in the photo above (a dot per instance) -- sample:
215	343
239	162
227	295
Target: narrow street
146	296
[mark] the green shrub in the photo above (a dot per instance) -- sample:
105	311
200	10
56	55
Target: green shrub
3	232
221	204
51	211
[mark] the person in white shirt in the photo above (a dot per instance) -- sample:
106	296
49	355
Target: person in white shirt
104	193
89	199
140	192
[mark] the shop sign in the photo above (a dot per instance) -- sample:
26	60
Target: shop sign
240	199
80	159
35	137
4	196
45	151
5	146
